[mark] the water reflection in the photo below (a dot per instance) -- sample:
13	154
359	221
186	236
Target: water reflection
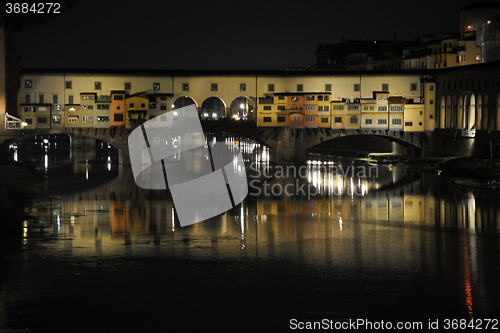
388	223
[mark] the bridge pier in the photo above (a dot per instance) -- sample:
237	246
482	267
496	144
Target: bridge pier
123	156
291	148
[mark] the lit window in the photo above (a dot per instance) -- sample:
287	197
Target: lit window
479	57
28	84
185	87
243	86
156	85
97	85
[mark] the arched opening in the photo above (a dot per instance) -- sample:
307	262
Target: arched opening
479	113
465	112
442	112
183	101
459	113
242	108
449	113
471	114
485	113
213	108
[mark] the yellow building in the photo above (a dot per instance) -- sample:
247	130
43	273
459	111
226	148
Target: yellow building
338	114
87	109
353	115
136	107
414	117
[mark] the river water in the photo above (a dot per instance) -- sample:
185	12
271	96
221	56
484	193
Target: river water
335	239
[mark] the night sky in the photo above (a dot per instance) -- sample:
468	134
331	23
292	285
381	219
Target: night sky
221	35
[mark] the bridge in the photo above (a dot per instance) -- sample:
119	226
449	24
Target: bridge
286	145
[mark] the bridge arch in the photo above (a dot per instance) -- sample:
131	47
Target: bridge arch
460	114
213	108
242	108
184	101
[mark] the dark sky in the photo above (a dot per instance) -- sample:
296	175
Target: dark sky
221	34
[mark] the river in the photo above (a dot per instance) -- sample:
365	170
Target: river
329	242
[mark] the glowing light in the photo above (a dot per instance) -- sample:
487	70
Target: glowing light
175	113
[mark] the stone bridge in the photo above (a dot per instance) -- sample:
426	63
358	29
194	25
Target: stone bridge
286	145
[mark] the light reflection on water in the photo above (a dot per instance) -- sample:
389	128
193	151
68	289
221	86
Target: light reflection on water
394	223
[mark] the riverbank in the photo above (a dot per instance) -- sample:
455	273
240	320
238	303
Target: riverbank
470	167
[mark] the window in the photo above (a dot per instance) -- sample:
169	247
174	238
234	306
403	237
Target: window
328	87
69	85
413	86
408	123
90	107
103	118
320	98
54	99
326	97
479	57
72	108
295	99
57	107
396	108
357	87
156	85
243	87
338	119
338	107
382	121
41	99
300	87
89	119
29	121
42	120
70	99
152	105
281	119
320	108
431	87
353	107
118	117
143	105
128	86
88	98
72	119
27	98
310	119
102	106
118	97
267	107
185	87
28	84
368	121
324	120
29	109
382	108
214	87
310	98
131	105
296	119
163	107
281	97
270	87
354	120
118	107
385	86
281	107
267	119
431	101
310	108
97	85
431	116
